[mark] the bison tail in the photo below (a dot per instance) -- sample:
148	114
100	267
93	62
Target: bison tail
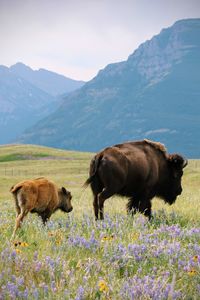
88	181
93	169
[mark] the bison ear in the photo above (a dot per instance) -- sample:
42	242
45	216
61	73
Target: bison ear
177	160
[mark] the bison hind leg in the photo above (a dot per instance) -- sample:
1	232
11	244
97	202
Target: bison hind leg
96	207
105	194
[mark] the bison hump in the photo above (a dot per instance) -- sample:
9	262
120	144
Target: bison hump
156	145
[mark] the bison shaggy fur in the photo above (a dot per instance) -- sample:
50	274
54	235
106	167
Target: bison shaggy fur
139	170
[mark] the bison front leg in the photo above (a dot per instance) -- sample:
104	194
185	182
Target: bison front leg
145	208
132	206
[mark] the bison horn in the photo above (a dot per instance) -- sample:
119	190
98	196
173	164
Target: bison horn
185	162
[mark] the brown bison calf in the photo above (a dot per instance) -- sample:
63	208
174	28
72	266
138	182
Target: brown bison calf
39	196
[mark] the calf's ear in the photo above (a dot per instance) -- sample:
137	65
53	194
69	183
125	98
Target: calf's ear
64	191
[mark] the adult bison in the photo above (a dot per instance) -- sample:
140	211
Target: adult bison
139	170
40	196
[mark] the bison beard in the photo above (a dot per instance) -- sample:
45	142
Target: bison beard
138	170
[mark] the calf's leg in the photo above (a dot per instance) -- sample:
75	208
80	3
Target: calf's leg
45	215
18	210
19	220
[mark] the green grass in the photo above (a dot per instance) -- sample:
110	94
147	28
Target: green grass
74	257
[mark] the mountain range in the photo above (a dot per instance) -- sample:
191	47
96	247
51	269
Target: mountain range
26	96
154	94
48	81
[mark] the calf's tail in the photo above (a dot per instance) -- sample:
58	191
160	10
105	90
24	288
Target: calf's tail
93	169
15	188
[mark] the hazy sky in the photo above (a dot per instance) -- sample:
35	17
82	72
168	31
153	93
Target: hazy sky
77	38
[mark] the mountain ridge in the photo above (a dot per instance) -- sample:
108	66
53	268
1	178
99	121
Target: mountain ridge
22	102
48	81
153	94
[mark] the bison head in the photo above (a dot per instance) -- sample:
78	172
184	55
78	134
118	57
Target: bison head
65	200
173	187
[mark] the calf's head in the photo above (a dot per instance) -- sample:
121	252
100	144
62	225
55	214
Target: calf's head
65	200
176	163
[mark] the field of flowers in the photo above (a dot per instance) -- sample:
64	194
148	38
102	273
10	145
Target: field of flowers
74	257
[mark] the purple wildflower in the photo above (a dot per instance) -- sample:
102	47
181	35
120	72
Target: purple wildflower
148	287
80	293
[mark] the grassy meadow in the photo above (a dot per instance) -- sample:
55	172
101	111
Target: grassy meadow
74	257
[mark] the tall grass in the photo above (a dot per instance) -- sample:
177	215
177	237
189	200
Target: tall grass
74	257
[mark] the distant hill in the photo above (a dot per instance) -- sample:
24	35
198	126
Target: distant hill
16	152
50	82
26	96
155	94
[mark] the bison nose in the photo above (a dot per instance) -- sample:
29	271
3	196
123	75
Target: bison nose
179	190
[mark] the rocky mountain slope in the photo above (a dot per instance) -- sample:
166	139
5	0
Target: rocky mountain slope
155	94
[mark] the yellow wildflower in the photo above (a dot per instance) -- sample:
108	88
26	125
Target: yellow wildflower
51	233
18	250
107	238
192	272
24	244
195	258
16	243
58	241
135	236
103	286
21	244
